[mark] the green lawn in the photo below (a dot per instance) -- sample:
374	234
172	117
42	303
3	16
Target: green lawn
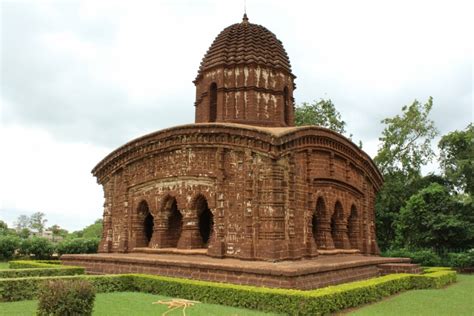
456	299
133	303
3	265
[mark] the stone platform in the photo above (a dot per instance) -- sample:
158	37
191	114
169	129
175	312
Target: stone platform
304	274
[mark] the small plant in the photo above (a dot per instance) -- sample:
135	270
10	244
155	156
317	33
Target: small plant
66	298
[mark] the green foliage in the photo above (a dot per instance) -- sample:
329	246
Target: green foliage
17	289
321	113
38	221
433	218
406	140
8	246
296	302
22	222
457	158
66	298
424	257
40	248
94	230
30	272
78	245
397	189
461	260
25	264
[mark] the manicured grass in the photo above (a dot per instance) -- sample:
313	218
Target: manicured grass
456	299
132	303
4	265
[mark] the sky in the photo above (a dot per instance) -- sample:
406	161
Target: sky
80	78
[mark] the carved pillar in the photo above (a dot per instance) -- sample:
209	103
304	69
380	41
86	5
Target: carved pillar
106	240
323	233
160	238
341	240
355	232
190	237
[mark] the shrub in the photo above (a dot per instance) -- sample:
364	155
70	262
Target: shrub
18	289
40	248
66	297
424	257
78	245
461	260
8	246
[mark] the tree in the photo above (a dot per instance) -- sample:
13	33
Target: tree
94	230
457	158
406	140
3	228
321	113
22	222
405	147
37	221
434	218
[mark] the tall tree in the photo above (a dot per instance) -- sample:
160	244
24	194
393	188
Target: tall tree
38	221
406	140
457	158
405	147
22	222
321	113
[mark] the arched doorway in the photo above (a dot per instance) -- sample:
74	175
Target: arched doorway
175	223
205	218
145	224
354	228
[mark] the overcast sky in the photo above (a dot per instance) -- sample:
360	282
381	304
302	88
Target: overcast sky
80	78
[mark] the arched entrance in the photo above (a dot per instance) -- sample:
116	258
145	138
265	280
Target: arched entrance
206	220
144	225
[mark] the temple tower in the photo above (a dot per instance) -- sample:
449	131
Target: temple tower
245	77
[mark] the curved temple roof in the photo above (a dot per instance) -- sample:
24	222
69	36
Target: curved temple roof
246	43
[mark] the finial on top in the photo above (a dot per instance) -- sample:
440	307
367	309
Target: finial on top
245	19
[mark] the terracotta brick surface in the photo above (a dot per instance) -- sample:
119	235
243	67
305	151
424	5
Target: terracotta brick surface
301	274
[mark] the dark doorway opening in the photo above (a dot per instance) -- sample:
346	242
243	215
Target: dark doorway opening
206	220
148	227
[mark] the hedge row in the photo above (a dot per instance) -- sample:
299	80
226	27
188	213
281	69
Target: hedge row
295	302
30	268
25	264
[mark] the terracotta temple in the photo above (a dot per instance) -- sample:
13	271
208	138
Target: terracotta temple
242	192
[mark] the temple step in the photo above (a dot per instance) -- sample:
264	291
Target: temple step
200	251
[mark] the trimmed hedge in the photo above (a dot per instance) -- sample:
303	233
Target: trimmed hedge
295	302
22	273
31	264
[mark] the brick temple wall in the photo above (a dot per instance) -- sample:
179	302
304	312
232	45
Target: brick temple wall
272	195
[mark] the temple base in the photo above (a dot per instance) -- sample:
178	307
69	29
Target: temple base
301	274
